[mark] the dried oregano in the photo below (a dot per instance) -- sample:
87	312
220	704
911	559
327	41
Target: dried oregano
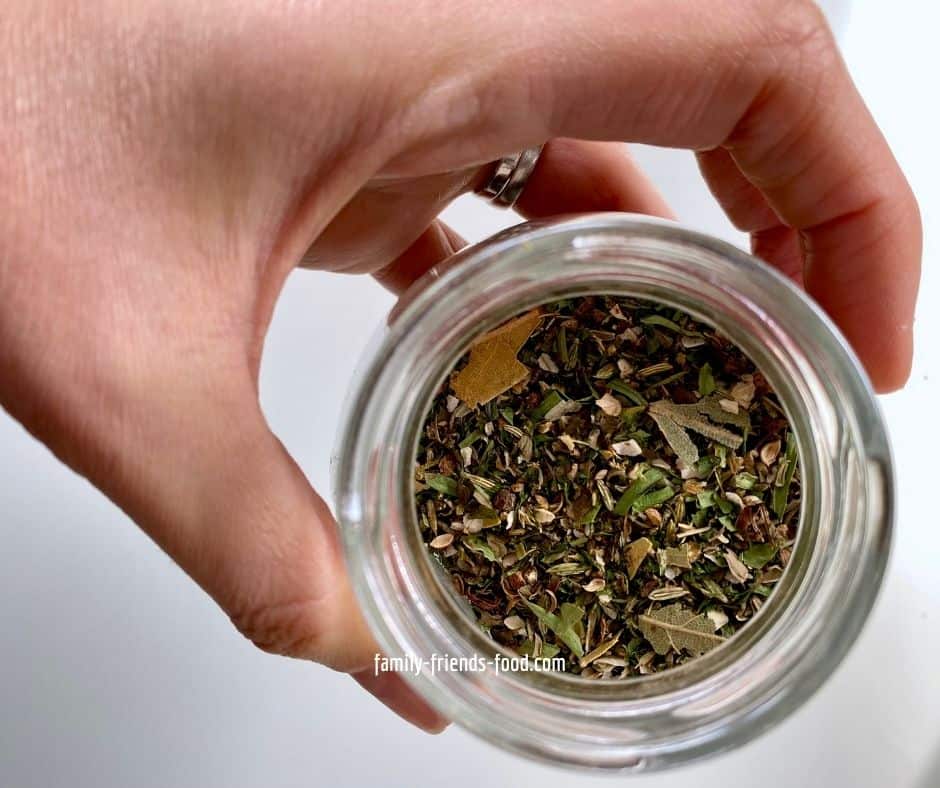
608	480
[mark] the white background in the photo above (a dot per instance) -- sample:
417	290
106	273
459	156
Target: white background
115	670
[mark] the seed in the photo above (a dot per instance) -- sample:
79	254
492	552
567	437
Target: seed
609	404
546	363
442	541
628	448
513	623
769	452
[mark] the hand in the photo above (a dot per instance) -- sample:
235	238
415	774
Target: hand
164	166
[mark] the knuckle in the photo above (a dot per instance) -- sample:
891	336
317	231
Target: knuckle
294	628
797	29
796	60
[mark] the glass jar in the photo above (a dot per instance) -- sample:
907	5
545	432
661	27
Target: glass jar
709	704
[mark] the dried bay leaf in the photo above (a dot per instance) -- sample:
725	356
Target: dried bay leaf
635	553
677	628
493	367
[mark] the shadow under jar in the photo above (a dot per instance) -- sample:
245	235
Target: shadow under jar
709	704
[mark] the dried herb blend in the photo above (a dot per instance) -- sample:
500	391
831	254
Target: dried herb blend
608	480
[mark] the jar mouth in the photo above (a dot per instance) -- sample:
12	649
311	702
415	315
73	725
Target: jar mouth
805	627
437	590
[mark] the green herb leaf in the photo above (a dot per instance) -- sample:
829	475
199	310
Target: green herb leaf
565	625
705	466
562	344
662	322
630	415
549	650
653	499
705	499
626	390
550	400
756	556
781	494
695	417
711	589
479	545
640	485
745	481
590	515
472	438
443	484
706	381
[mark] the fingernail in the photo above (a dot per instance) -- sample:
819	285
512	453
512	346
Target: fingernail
394	692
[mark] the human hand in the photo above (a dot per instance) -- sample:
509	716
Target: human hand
164	167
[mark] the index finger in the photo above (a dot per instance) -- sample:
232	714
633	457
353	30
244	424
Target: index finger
762	80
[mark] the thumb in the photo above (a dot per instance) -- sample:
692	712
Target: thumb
285	587
220	494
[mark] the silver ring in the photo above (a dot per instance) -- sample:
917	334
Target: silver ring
510	177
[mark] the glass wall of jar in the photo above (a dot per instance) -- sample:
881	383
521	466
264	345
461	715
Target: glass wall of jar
709	704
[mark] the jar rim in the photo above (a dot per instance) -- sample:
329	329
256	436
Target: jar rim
711	703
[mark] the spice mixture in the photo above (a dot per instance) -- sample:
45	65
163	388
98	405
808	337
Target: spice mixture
608	480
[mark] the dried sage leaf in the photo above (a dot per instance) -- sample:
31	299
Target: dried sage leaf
677	438
676	628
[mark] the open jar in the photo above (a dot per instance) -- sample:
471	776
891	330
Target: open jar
712	703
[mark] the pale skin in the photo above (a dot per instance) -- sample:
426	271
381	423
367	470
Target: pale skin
165	164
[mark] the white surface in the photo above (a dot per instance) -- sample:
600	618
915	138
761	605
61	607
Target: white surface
115	670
